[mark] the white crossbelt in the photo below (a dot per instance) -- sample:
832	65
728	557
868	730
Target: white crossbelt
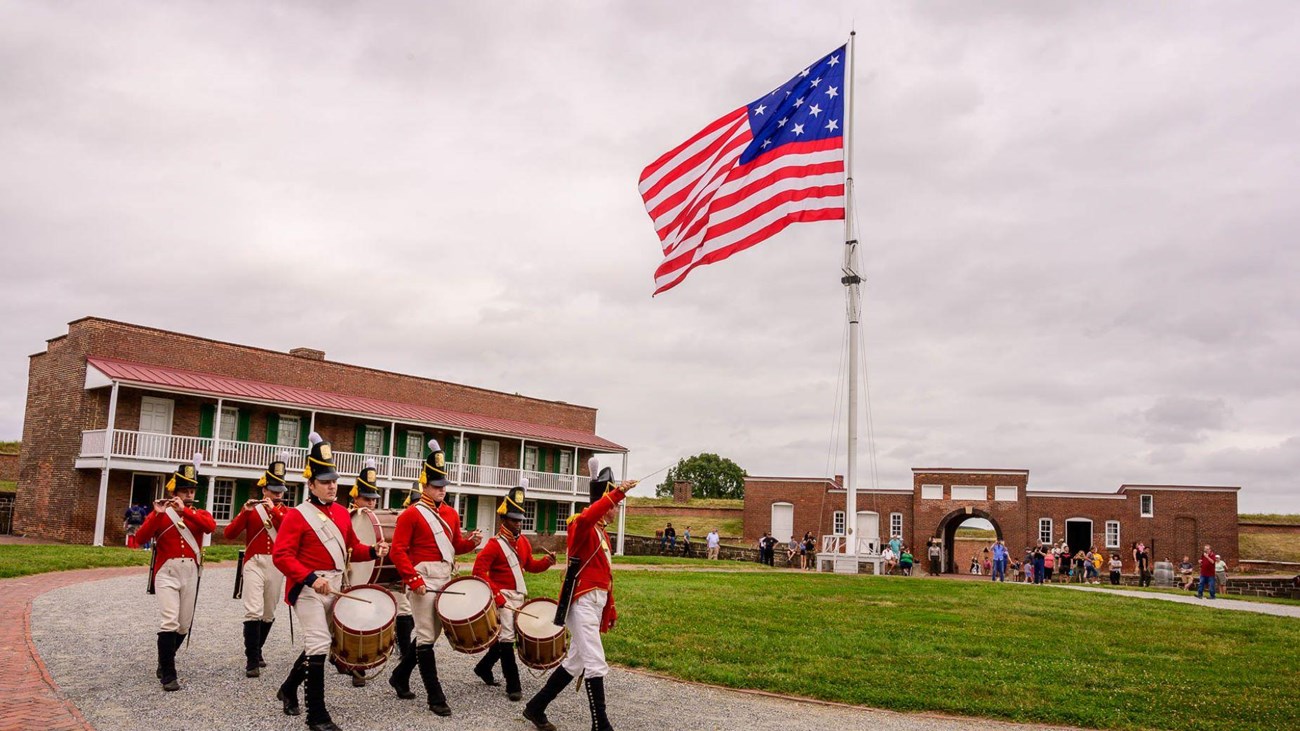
186	534
327	532
512	558
266	521
440	536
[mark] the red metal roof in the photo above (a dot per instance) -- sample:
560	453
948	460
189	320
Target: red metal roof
306	398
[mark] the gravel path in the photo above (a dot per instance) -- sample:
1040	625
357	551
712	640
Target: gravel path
97	639
1236	605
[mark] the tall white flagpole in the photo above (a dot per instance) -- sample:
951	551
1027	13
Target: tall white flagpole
851	281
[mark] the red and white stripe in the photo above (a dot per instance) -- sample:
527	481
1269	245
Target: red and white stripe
706	207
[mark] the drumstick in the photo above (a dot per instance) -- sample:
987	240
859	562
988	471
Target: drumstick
342	595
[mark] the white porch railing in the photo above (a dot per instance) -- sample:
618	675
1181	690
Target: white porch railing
866	546
169	449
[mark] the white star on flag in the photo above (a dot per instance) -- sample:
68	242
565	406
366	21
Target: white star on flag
834	60
798	129
815	81
831	92
814	110
832	125
759	109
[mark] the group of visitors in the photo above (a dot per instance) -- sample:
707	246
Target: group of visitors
897	556
134	518
1213	570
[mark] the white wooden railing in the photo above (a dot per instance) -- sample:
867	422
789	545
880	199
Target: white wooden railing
866	546
174	450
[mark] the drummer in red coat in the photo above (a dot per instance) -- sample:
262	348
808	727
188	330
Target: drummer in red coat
262	582
502	564
177	528
425	543
312	549
586	605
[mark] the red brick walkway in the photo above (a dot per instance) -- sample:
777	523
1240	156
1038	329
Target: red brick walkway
29	697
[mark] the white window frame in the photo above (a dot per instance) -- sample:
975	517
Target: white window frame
294	495
566	462
1045	527
378	433
931	492
229	415
562	513
1112	542
1147	505
529	523
415	439
896	525
1006	493
285	420
837	523
222	509
531	457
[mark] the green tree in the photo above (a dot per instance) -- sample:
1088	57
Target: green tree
711	476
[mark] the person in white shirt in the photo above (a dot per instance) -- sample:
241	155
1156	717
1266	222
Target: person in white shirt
712	542
891	559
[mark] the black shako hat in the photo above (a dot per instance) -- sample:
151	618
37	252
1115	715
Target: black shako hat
273	478
602	480
513	504
320	460
366	486
186	475
435	466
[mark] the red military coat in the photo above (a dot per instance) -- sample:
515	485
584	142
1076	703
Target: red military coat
158	528
588	542
298	552
257	541
413	541
492	566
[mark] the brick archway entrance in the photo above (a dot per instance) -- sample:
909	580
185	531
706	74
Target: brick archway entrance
947	532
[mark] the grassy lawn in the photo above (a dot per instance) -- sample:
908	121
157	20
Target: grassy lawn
1269	547
8	486
646	525
1233	597
973	648
1287	518
26	560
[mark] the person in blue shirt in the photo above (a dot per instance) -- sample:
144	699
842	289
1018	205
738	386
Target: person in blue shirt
999	562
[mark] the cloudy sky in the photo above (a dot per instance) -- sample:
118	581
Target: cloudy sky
1079	221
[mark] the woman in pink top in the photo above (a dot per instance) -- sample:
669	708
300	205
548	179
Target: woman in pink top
1049	562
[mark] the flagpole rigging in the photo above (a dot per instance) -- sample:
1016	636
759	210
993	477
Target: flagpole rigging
851	281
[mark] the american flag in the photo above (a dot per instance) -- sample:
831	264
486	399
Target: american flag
742	179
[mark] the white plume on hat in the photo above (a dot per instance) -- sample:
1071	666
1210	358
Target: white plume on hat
314	439
433	446
593	467
523	482
198	459
283	456
370	464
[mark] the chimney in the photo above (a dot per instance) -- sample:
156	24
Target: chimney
308	353
681	491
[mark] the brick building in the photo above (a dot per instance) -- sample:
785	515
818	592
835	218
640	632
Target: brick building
112	408
1173	519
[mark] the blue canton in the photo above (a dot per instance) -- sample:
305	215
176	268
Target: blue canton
809	106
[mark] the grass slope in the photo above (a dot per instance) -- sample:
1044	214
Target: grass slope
1284	518
1014	652
646	525
1269	547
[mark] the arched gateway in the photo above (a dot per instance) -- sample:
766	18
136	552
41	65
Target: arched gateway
946	531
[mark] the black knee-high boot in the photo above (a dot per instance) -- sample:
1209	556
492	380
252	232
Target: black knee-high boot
596	699
252	639
261	642
429	674
288	693
401	677
167	645
535	710
405	628
484	667
506	652
318	717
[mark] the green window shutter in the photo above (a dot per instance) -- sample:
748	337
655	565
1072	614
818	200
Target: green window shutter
554	460
303	441
388	441
272	428
449	447
242	489
473	451
471	512
207	417
241	425
201	493
401	443
360	442
544	519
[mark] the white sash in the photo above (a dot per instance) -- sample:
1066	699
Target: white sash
186	535
327	532
267	525
512	558
440	536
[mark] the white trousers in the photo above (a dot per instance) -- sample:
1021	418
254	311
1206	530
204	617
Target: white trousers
427	626
175	586
506	614
314	614
263	584
401	594
586	651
